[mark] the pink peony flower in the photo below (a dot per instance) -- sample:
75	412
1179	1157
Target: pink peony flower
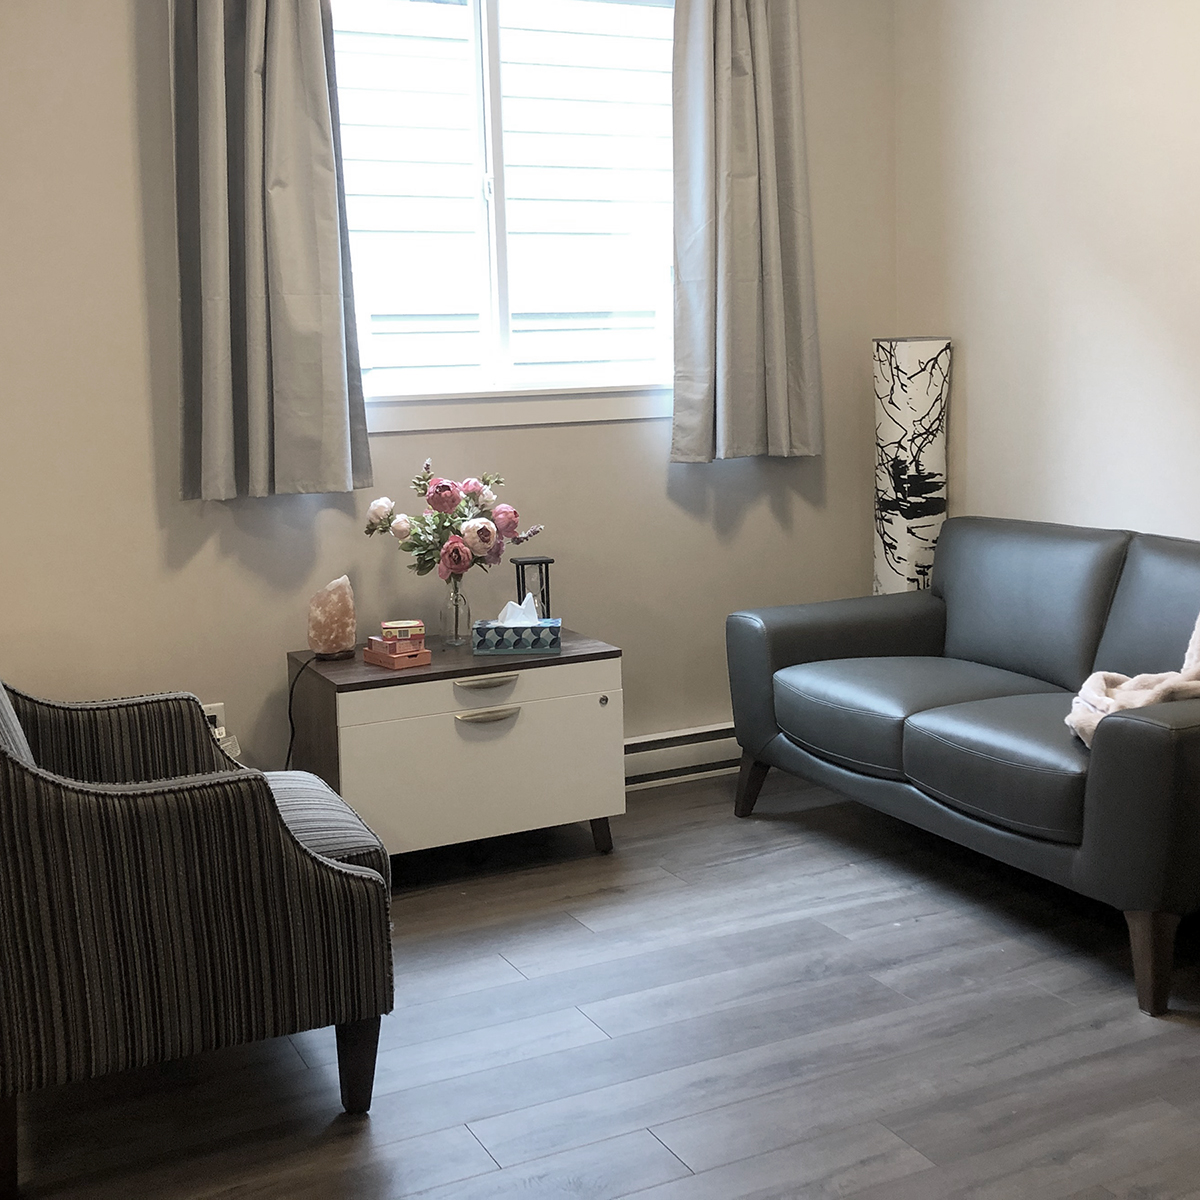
507	519
486	498
480	534
456	557
496	553
471	487
444	495
401	526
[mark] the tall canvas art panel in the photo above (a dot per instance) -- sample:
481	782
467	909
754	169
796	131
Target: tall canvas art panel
912	390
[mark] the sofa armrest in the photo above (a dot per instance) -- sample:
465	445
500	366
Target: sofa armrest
138	739
147	922
1141	817
759	642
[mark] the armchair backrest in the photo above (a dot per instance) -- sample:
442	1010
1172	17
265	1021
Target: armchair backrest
1155	608
1027	596
12	735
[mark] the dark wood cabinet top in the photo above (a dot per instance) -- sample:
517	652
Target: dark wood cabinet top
449	662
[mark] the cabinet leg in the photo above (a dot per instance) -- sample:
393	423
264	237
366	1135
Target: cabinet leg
1152	940
357	1044
8	1148
602	835
749	784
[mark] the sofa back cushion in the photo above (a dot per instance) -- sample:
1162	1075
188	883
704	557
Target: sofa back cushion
1154	611
1026	596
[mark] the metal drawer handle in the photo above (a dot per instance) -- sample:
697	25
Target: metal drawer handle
485	681
487	715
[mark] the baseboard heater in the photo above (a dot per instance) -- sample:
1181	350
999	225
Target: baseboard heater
680	754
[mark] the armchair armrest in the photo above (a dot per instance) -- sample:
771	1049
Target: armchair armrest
121	741
761	641
145	922
1141	816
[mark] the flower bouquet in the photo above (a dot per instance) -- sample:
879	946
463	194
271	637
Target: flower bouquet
462	527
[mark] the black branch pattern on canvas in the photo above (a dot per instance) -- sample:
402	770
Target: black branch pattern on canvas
910	490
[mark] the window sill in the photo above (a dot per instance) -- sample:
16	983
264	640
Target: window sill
557	406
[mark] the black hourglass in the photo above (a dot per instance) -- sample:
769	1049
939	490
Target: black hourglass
542	595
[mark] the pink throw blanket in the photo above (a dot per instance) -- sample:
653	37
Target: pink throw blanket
1107	692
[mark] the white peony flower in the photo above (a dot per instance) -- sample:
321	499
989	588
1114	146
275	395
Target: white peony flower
401	527
379	509
480	535
487	498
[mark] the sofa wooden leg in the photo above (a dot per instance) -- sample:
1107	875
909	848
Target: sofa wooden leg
357	1045
749	784
8	1148
1152	939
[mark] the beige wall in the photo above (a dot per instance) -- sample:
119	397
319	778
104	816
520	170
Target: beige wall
114	586
1048	200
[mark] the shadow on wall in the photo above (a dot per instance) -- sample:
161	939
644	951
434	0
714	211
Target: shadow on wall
273	538
723	492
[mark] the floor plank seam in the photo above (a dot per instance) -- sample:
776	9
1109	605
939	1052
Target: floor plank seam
483	1147
884	1125
899	992
668	1149
511	964
593	1022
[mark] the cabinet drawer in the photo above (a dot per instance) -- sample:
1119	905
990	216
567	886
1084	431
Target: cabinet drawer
439	779
396	702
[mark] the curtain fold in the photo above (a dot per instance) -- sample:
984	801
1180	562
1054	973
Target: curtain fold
272	391
747	365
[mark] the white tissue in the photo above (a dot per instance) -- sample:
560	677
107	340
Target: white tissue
524	613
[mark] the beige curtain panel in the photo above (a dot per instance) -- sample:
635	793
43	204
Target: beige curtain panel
747	368
272	389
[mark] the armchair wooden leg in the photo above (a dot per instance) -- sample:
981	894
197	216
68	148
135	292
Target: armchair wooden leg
1152	940
357	1045
749	784
8	1148
602	835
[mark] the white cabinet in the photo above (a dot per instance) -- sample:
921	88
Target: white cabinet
469	747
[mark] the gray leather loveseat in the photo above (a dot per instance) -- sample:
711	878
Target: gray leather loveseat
945	708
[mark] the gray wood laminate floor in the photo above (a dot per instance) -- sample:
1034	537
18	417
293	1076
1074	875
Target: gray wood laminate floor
814	1002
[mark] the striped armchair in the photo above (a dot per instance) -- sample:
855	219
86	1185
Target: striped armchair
157	899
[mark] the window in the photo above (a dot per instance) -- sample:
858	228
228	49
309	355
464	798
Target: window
508	189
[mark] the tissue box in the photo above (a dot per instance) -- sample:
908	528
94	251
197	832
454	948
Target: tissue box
541	637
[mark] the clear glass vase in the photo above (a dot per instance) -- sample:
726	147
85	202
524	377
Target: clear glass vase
455	615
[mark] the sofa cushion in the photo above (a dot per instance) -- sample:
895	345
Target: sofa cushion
1154	610
1027	597
1009	761
852	710
12	736
321	820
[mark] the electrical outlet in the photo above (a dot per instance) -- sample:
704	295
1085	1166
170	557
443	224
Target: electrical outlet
216	720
